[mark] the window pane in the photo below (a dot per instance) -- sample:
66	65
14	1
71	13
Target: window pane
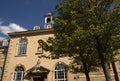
19	75
1	70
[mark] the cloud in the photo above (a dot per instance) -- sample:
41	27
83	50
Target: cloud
1	38
12	27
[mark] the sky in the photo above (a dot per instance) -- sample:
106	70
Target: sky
23	15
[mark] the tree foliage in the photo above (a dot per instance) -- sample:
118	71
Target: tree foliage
88	31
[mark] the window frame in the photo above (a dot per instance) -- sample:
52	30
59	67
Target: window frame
22	47
1	70
19	73
60	73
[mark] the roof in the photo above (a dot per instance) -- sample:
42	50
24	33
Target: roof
31	32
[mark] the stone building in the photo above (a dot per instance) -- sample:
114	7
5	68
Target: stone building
23	61
3	52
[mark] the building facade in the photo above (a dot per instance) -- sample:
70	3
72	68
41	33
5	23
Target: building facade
24	61
3	53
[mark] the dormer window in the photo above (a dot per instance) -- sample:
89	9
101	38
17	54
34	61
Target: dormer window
36	28
5	43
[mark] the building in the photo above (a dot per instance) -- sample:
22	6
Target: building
3	52
23	61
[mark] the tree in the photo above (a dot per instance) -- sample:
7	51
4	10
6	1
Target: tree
84	29
116	44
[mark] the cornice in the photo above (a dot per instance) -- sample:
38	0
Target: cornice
31	33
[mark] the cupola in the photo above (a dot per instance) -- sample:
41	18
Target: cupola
48	21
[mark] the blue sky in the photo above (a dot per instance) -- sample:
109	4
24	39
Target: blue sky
21	15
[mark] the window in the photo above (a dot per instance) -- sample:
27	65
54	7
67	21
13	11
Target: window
22	47
5	42
19	73
36	27
1	69
60	73
48	20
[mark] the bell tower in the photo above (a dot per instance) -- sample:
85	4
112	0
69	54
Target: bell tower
48	21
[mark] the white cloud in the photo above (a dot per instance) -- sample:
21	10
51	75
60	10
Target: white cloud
1	38
12	27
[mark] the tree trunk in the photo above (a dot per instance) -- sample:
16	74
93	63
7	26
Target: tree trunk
115	71
87	76
86	72
101	49
106	70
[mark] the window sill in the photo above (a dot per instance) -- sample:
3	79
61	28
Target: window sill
38	53
21	55
2	57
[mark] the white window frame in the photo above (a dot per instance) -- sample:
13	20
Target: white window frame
58	76
22	47
16	75
19	77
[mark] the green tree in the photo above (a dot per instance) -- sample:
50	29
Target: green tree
116	44
84	29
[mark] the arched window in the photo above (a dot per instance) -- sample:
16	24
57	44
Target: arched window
22	47
60	73
48	20
19	73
